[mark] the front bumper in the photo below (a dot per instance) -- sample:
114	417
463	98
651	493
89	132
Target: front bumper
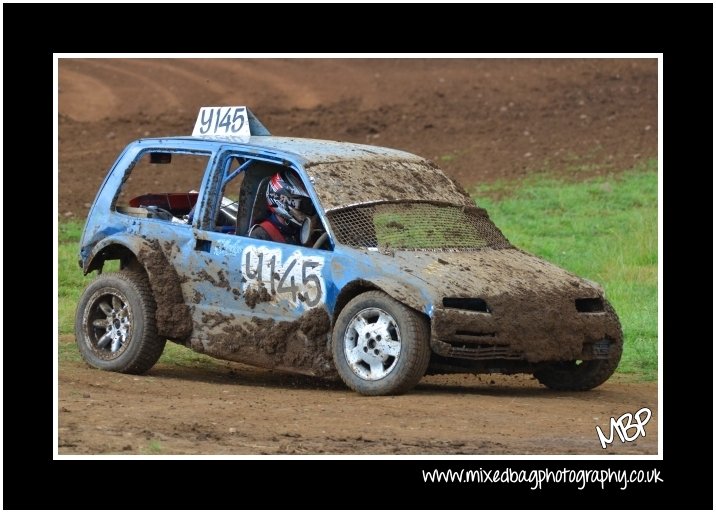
552	333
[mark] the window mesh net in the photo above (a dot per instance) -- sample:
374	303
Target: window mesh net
416	226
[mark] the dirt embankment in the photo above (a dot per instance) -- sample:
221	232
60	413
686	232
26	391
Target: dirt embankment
478	119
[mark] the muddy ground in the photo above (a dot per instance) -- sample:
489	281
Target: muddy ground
239	409
480	120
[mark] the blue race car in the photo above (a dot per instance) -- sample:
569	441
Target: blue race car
386	271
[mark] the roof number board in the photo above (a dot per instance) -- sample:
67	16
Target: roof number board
222	122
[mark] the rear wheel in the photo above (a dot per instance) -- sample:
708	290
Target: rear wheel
115	325
380	346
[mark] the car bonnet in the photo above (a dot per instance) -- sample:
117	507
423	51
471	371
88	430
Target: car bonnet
492	273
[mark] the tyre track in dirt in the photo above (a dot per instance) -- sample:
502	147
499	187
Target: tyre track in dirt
268	76
87	97
130	86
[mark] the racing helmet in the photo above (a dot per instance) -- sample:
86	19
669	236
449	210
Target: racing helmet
287	198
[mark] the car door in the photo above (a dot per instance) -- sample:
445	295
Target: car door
237	280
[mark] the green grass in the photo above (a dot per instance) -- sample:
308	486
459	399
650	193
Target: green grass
71	280
154	447
604	229
175	354
448	157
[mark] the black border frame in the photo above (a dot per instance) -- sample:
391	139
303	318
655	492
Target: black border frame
33	480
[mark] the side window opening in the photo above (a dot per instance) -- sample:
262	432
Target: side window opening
274	204
162	185
227	215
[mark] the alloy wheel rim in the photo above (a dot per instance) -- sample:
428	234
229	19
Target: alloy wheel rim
372	344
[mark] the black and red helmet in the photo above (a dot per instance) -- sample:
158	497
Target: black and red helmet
287	197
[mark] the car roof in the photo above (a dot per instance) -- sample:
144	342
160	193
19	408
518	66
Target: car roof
308	151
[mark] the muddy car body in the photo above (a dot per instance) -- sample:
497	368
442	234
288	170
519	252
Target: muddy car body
410	276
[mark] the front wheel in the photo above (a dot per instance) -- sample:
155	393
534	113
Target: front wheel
577	375
380	346
115	325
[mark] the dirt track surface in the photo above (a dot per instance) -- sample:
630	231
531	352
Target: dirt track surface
244	410
479	120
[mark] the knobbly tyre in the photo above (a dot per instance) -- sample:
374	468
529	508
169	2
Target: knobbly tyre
396	274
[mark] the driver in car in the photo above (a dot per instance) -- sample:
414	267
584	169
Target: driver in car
288	207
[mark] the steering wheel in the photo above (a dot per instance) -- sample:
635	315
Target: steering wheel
160	213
